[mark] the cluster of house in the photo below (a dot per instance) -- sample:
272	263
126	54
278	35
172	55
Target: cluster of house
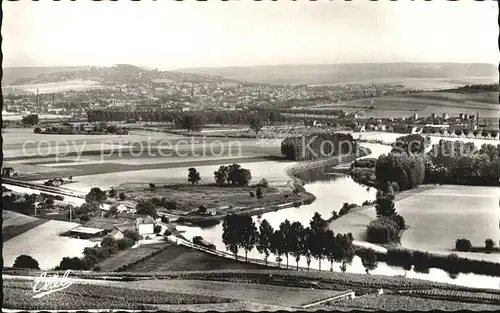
98	227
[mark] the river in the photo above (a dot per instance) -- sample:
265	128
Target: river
331	192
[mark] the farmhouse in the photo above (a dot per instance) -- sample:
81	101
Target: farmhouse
118	232
106	224
145	225
82	232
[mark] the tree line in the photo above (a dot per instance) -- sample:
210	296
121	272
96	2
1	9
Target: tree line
456	162
458	132
289	240
197	118
448	162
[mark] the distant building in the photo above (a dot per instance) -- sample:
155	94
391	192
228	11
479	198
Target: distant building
415	116
433	115
461	116
472	117
145	225
445	116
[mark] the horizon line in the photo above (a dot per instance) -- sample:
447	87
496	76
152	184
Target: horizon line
256	65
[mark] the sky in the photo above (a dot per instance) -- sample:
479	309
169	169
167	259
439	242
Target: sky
168	34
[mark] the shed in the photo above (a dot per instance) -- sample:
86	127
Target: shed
87	232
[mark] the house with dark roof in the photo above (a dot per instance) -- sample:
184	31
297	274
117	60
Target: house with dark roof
119	231
107	224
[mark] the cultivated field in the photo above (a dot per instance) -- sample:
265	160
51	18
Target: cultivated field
128	256
181	258
438	217
394	302
56	87
486	104
178	174
11	218
14	224
45	245
18	294
266	294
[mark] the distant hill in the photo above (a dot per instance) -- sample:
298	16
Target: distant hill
11	74
117	74
343	73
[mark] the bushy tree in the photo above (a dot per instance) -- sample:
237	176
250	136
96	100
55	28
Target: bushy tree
458	132
26	261
192	122
96	195
489	244
122	196
264	238
296	241
125	243
463	245
369	260
382	230
109	242
317	226
278	245
248	232
331	248
385	204
147	208
193	176
285	228
262	183
256	124
231	235
157	229
112	193
238	175
132	234
318	145
221	175
74	263
31	119
84	218
258	193
308	243
406	170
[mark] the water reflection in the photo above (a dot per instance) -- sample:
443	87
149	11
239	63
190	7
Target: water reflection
322	174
